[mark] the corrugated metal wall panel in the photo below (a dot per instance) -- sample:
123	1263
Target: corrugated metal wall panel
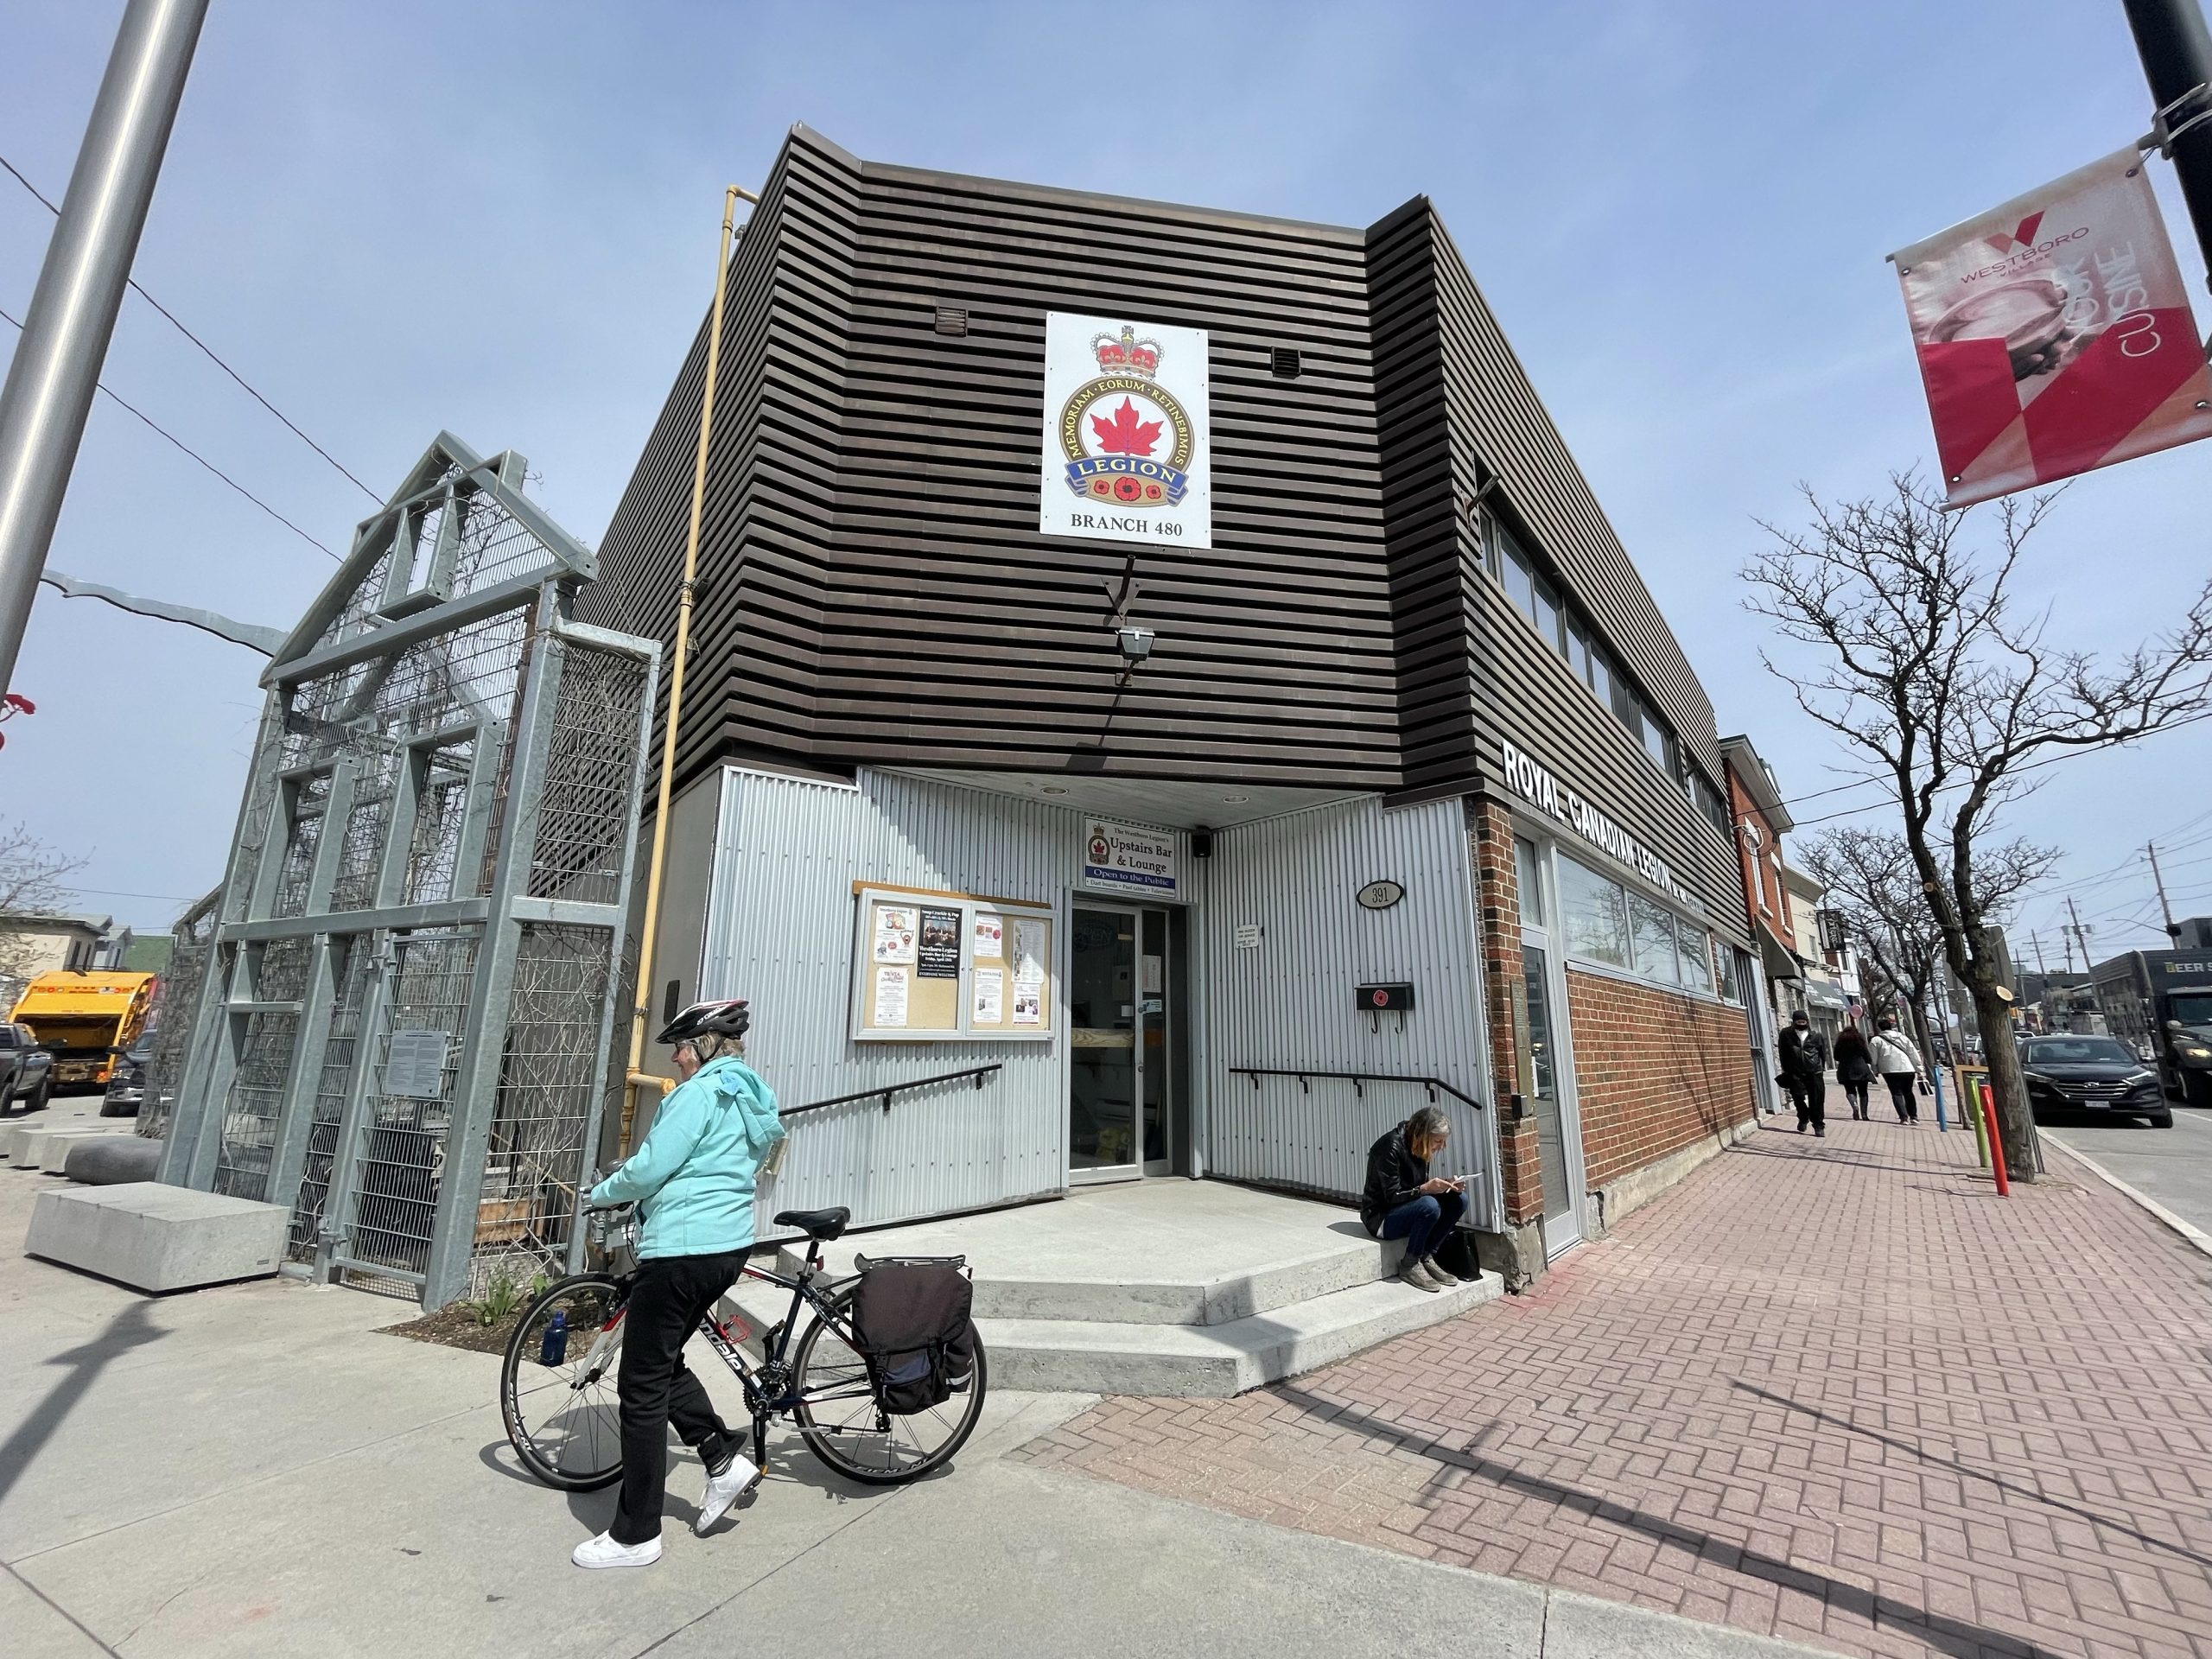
1288	1001
779	931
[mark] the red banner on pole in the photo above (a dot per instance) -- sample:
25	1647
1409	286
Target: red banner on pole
2055	334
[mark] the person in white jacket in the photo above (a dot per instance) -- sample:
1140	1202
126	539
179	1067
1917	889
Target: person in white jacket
1898	1062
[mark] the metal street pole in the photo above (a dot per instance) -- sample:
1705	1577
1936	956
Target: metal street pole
2160	881
2176	51
57	362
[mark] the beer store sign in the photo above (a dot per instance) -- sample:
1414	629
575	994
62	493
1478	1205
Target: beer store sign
1536	785
1126	451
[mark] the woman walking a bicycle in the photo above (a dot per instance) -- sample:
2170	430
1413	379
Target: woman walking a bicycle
692	1179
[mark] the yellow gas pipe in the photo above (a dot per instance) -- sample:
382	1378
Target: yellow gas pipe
636	1076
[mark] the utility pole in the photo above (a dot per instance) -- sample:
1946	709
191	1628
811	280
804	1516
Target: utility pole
2173	929
72	316
2176	51
2035	941
2080	933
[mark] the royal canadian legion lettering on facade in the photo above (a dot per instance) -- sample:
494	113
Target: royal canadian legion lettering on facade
1536	785
1127	450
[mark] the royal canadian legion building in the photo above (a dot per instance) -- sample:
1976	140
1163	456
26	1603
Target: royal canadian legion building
1164	702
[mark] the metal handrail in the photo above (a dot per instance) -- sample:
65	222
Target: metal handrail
1357	1080
978	1072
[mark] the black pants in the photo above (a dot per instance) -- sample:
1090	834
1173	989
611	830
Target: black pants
658	1389
1811	1096
1903	1095
1855	1092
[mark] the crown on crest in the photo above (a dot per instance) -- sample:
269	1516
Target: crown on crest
1126	354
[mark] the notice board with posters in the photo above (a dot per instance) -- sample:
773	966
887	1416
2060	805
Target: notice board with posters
950	967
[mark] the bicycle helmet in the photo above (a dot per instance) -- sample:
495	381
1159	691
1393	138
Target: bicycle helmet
720	1018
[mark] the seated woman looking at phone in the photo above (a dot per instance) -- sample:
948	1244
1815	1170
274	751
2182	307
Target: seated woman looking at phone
1404	1200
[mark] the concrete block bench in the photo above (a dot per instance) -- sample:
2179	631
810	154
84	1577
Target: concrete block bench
156	1238
31	1142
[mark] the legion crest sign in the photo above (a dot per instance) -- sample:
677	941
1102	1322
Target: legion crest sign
1126	453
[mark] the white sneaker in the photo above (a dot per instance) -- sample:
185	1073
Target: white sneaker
724	1489
603	1551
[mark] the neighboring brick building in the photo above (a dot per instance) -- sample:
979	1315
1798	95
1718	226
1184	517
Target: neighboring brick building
1761	820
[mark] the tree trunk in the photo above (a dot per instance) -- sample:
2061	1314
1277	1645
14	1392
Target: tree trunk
2015	1121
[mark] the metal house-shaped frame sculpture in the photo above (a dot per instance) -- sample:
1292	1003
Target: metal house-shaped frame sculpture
402	1032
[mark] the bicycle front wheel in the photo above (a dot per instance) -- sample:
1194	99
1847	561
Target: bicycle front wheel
845	1425
556	1386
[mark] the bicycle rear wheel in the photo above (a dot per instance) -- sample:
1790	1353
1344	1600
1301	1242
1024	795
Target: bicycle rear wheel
845	1425
557	1385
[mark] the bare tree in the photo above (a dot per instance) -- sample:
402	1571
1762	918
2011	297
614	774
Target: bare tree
31	876
1869	876
1955	701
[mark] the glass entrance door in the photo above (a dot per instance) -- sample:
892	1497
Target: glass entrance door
1547	1062
1117	1020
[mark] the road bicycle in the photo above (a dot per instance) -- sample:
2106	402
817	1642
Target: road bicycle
557	1385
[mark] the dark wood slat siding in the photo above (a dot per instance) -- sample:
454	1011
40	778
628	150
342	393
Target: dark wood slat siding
1521	446
965	638
1521	689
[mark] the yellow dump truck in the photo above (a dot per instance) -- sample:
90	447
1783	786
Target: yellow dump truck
85	1020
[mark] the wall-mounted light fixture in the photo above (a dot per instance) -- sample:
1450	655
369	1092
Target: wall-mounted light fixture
1135	644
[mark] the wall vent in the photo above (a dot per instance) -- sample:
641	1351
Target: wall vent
953	319
1285	362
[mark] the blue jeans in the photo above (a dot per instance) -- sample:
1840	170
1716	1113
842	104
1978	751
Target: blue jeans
1422	1222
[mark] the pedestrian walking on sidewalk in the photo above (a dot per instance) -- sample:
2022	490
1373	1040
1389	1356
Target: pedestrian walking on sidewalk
1403	1200
1854	1067
1805	1073
1898	1062
692	1179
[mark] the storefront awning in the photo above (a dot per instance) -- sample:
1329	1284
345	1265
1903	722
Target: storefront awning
1775	955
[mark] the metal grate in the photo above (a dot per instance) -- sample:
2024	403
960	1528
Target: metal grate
1286	362
440	819
590	777
548	1072
402	1158
277	973
177	996
349	974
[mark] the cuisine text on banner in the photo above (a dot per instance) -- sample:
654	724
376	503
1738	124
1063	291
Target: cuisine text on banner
2055	335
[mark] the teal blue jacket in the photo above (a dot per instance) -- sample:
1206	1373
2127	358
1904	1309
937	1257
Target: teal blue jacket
692	1179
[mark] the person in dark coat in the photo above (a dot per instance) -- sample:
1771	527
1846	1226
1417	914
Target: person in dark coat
1854	1067
1403	1200
1805	1073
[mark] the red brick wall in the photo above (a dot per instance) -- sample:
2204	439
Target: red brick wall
1497	889
1654	1071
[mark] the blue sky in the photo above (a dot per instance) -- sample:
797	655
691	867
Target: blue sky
498	218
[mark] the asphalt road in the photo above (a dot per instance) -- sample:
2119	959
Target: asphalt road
2172	1166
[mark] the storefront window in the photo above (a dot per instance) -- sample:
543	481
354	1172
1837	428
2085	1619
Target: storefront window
1529	880
1595	913
1655	940
1696	957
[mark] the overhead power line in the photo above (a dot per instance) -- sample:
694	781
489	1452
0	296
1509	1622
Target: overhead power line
210	353
208	464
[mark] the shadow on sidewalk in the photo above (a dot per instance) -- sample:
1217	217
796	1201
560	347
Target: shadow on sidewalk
1941	1632
126	1331
1969	1470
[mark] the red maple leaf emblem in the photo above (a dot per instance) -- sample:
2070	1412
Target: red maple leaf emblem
1125	434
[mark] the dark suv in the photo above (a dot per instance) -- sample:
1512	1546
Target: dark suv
2092	1075
26	1070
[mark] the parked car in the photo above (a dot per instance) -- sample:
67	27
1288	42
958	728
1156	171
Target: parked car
2096	1076
26	1070
126	1084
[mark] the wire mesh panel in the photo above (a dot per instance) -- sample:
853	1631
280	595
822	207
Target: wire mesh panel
265	1039
401	1159
549	1070
349	980
176	995
590	776
440	819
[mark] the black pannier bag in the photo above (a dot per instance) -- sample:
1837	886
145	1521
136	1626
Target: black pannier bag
911	1318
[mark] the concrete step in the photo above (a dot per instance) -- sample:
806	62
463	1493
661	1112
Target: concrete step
1331	1263
1214	1361
1189	1361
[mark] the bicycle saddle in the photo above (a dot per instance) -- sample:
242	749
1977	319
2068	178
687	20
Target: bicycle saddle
816	1223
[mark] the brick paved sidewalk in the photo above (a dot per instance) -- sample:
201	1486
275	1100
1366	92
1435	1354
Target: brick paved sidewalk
1835	1391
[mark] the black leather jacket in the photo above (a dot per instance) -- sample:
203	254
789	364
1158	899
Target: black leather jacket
1394	1176
1803	1055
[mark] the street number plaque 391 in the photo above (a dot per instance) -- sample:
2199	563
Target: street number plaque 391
1380	895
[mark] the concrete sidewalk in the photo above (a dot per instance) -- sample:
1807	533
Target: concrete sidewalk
1833	1390
257	1469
